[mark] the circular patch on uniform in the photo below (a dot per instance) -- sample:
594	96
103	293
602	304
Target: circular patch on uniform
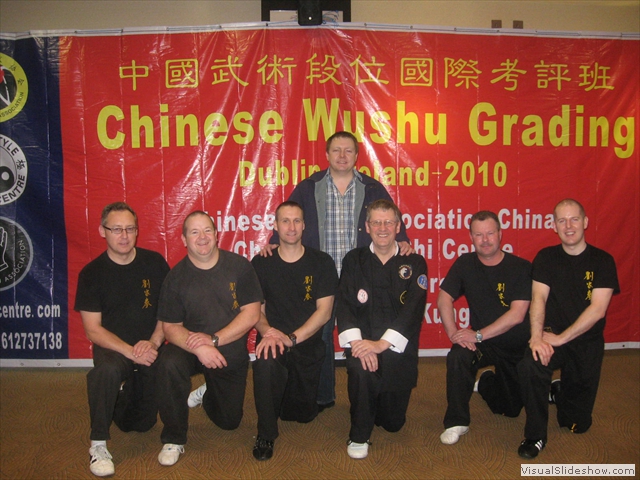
363	296
405	272
423	282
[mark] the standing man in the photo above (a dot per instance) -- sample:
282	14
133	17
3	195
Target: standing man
299	284
497	286
117	298
380	308
209	301
335	204
572	286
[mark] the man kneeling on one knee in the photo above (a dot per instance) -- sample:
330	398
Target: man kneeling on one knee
299	284
208	303
497	286
573	283
380	308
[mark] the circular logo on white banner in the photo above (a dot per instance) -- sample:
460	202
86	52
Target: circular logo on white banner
363	296
16	253
13	171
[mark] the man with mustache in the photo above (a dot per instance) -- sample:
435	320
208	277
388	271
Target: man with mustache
497	286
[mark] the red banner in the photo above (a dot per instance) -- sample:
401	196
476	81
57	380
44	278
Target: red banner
229	121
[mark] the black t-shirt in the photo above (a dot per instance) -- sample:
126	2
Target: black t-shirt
571	279
208	300
489	291
126	295
291	289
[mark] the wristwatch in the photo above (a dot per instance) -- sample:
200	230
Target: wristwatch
293	338
478	336
215	340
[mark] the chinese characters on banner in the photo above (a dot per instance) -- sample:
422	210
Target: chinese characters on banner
230	121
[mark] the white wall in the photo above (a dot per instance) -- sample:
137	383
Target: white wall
576	15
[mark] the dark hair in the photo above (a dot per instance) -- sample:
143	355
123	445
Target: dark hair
342	134
569	201
289	203
384	204
483	215
116	207
193	214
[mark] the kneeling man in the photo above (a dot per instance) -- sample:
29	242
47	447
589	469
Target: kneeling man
299	284
497	286
209	301
380	308
572	286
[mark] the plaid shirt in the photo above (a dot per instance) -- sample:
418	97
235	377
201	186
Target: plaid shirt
340	221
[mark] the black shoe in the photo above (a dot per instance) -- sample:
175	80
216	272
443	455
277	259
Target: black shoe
263	449
531	448
324	406
553	391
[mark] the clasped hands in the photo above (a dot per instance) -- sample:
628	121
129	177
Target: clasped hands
272	341
202	345
367	351
145	352
465	337
542	349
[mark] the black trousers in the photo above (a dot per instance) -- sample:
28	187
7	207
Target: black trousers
370	405
132	408
286	387
327	386
222	402
501	390
580	363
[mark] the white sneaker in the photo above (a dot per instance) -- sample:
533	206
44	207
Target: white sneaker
195	397
358	450
101	464
475	385
453	434
169	454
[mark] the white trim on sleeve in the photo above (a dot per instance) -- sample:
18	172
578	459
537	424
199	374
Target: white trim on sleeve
398	341
348	336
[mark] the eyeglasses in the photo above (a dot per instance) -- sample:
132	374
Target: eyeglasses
119	230
386	223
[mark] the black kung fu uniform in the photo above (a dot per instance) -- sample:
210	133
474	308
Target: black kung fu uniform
571	280
381	301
